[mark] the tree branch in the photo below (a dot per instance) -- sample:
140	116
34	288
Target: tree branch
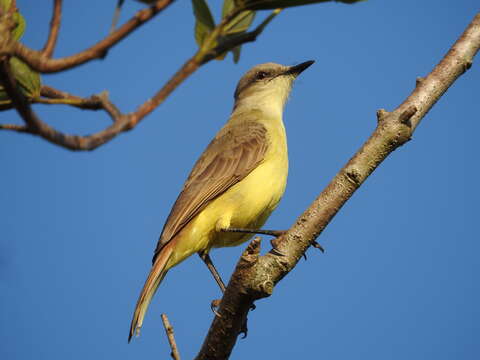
151	104
15	127
255	276
34	125
171	338
122	122
54	28
40	62
228	43
53	96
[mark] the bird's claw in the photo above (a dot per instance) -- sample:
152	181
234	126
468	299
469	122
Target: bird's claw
214	306
318	246
244	329
275	250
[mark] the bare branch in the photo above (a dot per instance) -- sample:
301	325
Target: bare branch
116	15
18	100
151	104
14	127
123	122
53	96
38	61
37	127
249	283
54	28
171	338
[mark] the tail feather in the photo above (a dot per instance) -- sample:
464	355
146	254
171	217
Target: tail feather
155	277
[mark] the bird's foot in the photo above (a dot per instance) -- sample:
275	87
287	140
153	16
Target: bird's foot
275	233
317	246
275	250
214	306
244	328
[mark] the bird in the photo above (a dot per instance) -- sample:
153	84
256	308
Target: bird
235	184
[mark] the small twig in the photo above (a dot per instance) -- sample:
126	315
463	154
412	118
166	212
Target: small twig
110	107
54	28
53	96
394	129
231	42
41	63
116	15
151	104
124	122
15	127
18	100
171	338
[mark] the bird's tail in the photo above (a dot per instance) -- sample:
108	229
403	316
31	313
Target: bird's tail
154	279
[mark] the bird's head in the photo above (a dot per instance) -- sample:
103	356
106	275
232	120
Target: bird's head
268	83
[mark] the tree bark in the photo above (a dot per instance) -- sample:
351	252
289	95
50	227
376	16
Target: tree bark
256	276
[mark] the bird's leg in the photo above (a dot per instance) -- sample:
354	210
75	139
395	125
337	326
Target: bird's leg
208	261
275	233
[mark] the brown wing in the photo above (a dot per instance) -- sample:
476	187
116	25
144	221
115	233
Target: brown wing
230	157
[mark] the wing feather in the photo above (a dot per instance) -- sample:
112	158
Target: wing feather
231	156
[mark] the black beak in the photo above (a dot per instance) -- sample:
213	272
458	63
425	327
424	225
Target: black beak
297	69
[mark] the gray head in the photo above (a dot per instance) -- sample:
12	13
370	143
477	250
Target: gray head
269	82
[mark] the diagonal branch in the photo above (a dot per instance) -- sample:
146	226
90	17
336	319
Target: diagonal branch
171	337
255	276
122	122
54	28
39	61
15	127
53	96
231	42
34	125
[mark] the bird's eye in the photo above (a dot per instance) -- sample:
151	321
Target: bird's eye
261	75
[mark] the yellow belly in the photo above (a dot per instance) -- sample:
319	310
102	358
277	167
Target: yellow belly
247	204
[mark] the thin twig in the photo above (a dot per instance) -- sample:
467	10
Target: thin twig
54	29
171	338
36	126
54	96
123	122
15	127
231	42
256	276
151	104
116	15
18	100
41	63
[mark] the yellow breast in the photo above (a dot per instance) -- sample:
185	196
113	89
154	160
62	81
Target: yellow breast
247	204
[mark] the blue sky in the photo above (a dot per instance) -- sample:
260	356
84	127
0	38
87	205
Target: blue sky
399	279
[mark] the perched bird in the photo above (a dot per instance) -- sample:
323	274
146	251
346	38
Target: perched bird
235	184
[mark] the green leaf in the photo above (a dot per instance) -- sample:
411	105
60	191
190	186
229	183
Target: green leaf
28	81
204	23
236	53
5	4
19	28
228	6
240	23
274	4
18	31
